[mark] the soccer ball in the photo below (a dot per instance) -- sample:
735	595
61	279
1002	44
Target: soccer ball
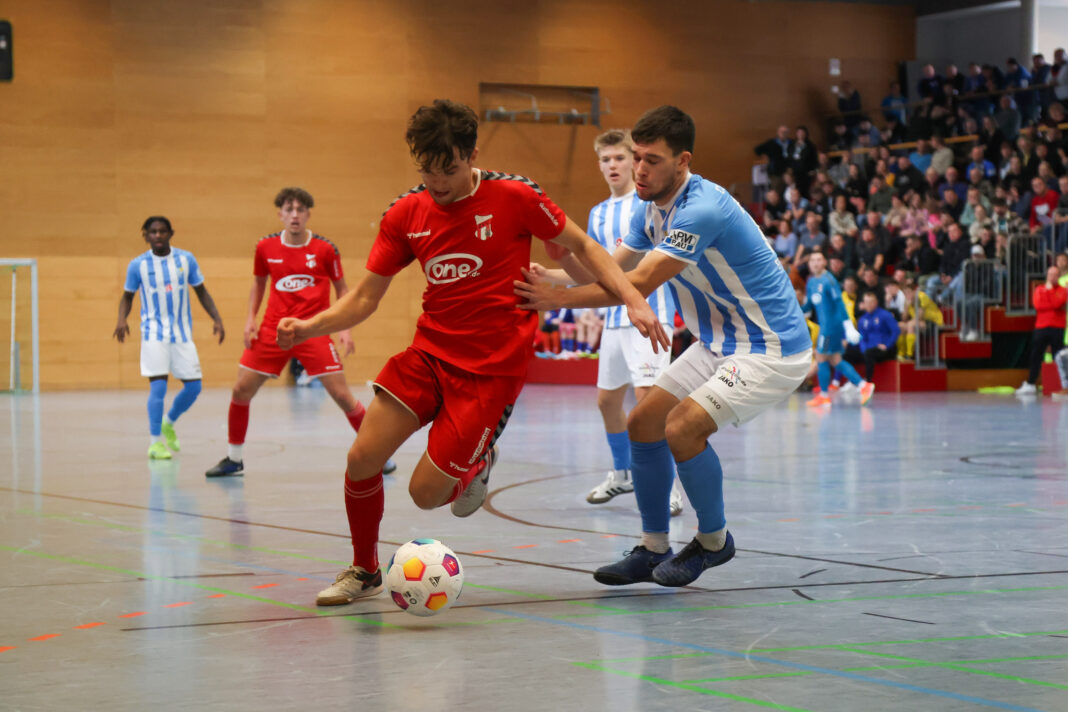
424	577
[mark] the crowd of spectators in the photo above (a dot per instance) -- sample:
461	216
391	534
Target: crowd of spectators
983	161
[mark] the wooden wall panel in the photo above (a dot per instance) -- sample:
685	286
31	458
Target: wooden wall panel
201	110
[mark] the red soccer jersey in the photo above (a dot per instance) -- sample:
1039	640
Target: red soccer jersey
300	275
470	251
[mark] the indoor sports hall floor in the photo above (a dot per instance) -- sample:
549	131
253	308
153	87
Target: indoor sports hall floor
908	556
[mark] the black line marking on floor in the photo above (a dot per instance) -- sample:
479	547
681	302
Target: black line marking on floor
802	595
812	573
197	576
895	618
1043	553
896	558
1058	636
917	575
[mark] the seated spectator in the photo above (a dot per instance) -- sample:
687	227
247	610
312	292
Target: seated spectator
919	257
977	181
865	128
988	241
895	217
1005	221
954	183
842	248
1020	200
952	203
955	250
941	155
841	219
856	185
894	105
991	138
967	216
1014	173
850	295
810	235
802	158
915	319
980	221
1049	300
1060	215
1043	154
878	334
774	208
870	252
796	207
879	195
978	156
929	87
785	241
1006	153
1045	173
1043	204
1055	116
922	156
869	282
894	298
836	171
1007	117
894	132
777	150
915	222
1026	148
842	138
908	177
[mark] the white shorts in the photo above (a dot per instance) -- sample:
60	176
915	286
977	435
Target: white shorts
158	358
626	358
734	389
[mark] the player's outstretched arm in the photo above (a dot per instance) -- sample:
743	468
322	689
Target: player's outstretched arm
122	329
209	306
344	337
255	298
345	313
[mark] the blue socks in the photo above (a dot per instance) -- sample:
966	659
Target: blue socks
846	369
619	444
184	399
652	471
702	477
157	389
823	372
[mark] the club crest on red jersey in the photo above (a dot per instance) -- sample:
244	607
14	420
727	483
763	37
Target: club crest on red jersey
310	257
483	228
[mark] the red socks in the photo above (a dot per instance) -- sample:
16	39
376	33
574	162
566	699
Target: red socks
238	422
466	478
365	502
355	416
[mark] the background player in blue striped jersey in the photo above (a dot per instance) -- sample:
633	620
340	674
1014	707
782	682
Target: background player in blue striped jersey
162	276
753	348
823	296
626	357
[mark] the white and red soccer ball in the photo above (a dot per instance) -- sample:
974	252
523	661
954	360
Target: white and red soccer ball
424	577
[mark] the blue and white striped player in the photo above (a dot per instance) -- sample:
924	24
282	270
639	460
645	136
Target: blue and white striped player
823	295
753	347
163	276
626	357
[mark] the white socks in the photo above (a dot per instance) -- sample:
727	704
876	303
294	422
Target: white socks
234	452
713	541
656	542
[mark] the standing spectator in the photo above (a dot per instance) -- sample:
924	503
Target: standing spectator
991	138
777	151
1043	204
849	104
942	155
1049	302
929	87
894	105
1026	148
1007	117
1058	61
954	78
842	138
975	83
1060	91
879	195
803	158
1017	77
878	334
1041	73
857	184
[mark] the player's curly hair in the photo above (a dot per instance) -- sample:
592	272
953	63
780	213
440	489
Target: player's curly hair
156	218
298	194
670	123
434	131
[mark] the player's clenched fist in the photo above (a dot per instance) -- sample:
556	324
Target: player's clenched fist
290	332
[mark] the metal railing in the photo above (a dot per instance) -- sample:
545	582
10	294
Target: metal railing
15	377
1028	257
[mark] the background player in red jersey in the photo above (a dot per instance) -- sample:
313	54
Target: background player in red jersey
302	266
471	232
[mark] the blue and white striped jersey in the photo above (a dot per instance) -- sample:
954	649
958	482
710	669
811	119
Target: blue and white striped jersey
733	294
163	283
609	223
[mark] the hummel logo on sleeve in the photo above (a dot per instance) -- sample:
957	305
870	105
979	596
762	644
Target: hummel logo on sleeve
682	240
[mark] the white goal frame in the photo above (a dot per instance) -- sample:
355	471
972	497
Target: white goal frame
36	342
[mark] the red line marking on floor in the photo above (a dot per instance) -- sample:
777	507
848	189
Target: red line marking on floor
483	551
5	648
179	604
265	585
303	578
44	637
609	536
568	541
88	625
1016	504
133	615
525	546
791	519
217	595
970	506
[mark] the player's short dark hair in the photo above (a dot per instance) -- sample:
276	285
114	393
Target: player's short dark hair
298	194
434	131
670	123
613	137
156	218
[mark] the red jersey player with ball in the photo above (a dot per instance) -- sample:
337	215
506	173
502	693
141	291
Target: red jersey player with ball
301	266
470	230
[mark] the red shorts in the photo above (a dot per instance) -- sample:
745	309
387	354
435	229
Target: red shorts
469	410
318	355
